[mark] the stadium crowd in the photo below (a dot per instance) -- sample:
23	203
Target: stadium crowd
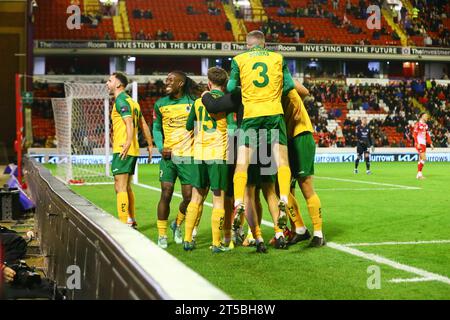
403	101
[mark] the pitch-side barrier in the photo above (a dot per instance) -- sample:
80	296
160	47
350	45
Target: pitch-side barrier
95	256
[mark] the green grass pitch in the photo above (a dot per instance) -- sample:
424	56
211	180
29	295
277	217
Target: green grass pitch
359	211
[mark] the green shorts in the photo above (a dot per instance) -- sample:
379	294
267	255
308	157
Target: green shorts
302	151
180	167
125	166
255	176
250	134
213	175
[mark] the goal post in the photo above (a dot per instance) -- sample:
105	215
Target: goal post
83	133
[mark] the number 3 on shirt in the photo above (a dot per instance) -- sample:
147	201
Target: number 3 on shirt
262	74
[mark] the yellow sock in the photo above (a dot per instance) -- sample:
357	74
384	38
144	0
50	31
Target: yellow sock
199	215
180	218
277	229
295	214
315	211
256	232
284	181
239	181
191	219
122	206
217	219
131	205
162	227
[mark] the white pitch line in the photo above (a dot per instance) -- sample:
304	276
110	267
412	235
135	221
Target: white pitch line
420	279
370	182
396	265
358	189
352	251
394	243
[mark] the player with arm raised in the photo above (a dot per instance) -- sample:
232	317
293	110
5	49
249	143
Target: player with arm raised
263	76
174	143
364	138
421	138
126	119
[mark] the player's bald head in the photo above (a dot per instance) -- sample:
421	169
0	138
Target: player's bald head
255	38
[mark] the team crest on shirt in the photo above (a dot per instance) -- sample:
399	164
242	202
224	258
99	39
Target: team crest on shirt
124	109
188	108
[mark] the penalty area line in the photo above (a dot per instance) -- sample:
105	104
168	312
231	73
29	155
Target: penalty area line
396	265
352	251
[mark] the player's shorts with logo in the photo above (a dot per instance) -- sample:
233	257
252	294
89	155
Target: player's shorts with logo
361	148
302	151
421	148
180	167
213	174
125	166
269	123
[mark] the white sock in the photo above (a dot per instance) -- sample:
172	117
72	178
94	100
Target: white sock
237	202
318	234
130	220
300	230
279	234
284	199
249	232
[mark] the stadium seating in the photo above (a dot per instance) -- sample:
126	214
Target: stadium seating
51	18
320	28
171	15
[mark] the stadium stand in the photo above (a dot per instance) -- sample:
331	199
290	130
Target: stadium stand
171	15
51	24
322	23
390	110
333	107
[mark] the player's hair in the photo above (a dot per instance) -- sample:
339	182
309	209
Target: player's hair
122	77
255	37
190	88
421	115
218	76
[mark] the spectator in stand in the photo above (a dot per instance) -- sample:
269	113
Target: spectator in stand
148	14
203	36
228	26
335	4
376	35
427	41
140	35
158	35
190	10
170	35
281	11
137	14
212	9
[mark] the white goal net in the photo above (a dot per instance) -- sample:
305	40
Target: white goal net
83	135
82	121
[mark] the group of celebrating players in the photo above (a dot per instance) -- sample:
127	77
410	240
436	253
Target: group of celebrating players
256	137
246	134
